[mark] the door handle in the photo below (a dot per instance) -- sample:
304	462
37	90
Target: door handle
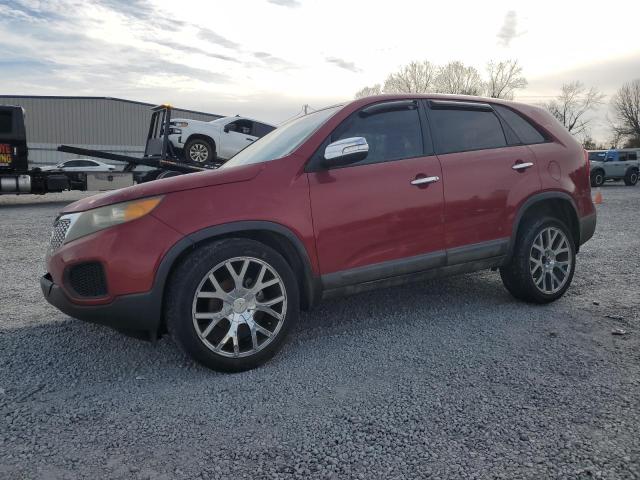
522	166
425	180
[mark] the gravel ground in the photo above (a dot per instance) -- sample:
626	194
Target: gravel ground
444	379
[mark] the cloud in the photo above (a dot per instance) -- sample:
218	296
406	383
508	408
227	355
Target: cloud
345	64
213	37
286	3
508	30
273	62
192	50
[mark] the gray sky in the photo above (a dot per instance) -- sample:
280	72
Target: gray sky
265	58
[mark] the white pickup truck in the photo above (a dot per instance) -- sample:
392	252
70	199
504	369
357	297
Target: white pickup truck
215	141
615	164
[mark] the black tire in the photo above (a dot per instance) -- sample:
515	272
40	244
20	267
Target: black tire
631	177
597	178
199	150
167	174
517	275
186	280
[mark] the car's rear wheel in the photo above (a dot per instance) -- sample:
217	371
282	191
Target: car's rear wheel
231	303
543	262
597	178
199	150
631	177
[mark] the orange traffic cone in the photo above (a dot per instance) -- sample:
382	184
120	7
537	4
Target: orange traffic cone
598	199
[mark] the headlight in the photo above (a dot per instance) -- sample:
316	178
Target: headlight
98	219
180	124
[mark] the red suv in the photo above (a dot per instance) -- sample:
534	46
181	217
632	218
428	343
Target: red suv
378	192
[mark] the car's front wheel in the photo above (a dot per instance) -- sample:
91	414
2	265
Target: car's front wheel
231	303
543	262
199	150
631	177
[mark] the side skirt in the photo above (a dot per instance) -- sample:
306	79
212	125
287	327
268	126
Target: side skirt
415	277
465	259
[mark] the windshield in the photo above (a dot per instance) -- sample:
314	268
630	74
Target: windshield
283	140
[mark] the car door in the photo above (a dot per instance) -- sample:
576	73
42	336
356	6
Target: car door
236	136
380	217
486	177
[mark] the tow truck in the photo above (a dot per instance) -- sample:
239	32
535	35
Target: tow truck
16	176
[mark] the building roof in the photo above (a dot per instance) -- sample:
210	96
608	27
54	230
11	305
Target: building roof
115	99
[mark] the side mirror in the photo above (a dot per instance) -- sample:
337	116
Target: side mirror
345	152
227	128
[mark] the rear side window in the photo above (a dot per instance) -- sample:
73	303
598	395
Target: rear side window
633	156
526	132
6	118
260	129
391	134
458	130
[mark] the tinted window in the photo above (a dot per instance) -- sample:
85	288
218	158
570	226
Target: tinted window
87	163
260	129
391	135
73	163
6	122
526	132
596	156
461	130
623	157
241	126
633	156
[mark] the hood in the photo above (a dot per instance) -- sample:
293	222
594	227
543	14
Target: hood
189	181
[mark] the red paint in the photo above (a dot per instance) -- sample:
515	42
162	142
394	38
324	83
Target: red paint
345	218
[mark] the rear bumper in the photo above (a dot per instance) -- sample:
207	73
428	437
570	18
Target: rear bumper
587	227
135	314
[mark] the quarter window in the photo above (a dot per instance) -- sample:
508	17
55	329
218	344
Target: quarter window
391	134
458	130
526	132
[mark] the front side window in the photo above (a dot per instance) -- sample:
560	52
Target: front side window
6	119
241	126
459	130
391	135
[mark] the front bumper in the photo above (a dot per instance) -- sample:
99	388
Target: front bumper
136	314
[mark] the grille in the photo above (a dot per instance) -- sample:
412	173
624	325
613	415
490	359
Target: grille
87	280
59	233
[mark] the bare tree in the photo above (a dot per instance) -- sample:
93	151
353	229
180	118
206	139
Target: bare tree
504	78
369	91
573	105
455	78
626	108
417	77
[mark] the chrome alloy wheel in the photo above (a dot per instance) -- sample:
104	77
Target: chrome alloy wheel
550	260
198	152
239	307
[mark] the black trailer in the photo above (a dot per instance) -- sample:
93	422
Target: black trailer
158	152
16	177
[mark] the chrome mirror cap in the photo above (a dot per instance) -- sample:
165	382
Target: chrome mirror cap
345	151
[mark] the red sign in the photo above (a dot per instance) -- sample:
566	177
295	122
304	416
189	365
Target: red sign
5	154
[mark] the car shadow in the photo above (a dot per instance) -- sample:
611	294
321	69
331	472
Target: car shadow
74	352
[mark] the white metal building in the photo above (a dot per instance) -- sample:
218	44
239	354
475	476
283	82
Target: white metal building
102	123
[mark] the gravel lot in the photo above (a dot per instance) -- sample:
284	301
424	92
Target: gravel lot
445	379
